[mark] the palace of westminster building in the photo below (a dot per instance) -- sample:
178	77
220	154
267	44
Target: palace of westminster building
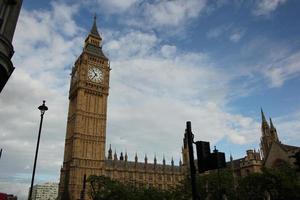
84	152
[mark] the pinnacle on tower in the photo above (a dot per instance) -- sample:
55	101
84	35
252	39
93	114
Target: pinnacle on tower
172	162
126	156
164	160
146	159
271	124
263	118
121	156
264	123
155	160
94	30
109	153
115	155
136	158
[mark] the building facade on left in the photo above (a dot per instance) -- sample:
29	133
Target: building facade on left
9	13
46	191
4	196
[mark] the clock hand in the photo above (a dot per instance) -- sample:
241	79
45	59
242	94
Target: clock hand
94	72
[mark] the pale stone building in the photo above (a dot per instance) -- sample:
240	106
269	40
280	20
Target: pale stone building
46	191
273	153
250	163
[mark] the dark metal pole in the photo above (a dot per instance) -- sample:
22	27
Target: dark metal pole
82	194
42	108
190	138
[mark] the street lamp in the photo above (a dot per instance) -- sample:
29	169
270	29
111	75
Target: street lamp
43	108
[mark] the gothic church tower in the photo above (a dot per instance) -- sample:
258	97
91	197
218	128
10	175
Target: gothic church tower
86	125
269	135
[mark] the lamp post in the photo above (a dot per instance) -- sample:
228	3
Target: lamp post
43	108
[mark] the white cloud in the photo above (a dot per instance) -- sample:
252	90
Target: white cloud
234	34
133	43
168	50
46	43
114	6
288	128
152	96
265	7
173	13
218	31
283	69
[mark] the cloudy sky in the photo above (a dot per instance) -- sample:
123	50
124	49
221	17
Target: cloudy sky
214	63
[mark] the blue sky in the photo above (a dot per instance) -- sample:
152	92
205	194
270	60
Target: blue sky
212	62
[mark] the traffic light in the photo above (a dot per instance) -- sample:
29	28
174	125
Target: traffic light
203	152
207	160
217	160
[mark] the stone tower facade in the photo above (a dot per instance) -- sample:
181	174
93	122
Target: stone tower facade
84	153
86	125
269	135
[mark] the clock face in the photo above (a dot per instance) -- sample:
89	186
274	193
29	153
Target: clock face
95	74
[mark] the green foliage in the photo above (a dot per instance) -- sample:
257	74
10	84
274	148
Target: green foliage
297	160
103	188
216	184
281	183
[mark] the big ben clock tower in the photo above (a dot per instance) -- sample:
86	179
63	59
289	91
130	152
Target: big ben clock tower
86	126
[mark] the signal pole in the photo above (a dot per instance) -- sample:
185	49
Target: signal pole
190	138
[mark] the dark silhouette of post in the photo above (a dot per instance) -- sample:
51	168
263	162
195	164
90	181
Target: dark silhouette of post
190	138
82	194
43	108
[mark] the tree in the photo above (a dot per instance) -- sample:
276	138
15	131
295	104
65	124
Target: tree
216	184
297	158
103	188
280	183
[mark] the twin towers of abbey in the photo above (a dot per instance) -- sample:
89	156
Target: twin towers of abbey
84	153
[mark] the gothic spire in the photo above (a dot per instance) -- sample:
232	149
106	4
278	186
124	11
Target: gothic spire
136	158
126	156
110	153
264	123
271	124
263	118
121	156
94	30
115	155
